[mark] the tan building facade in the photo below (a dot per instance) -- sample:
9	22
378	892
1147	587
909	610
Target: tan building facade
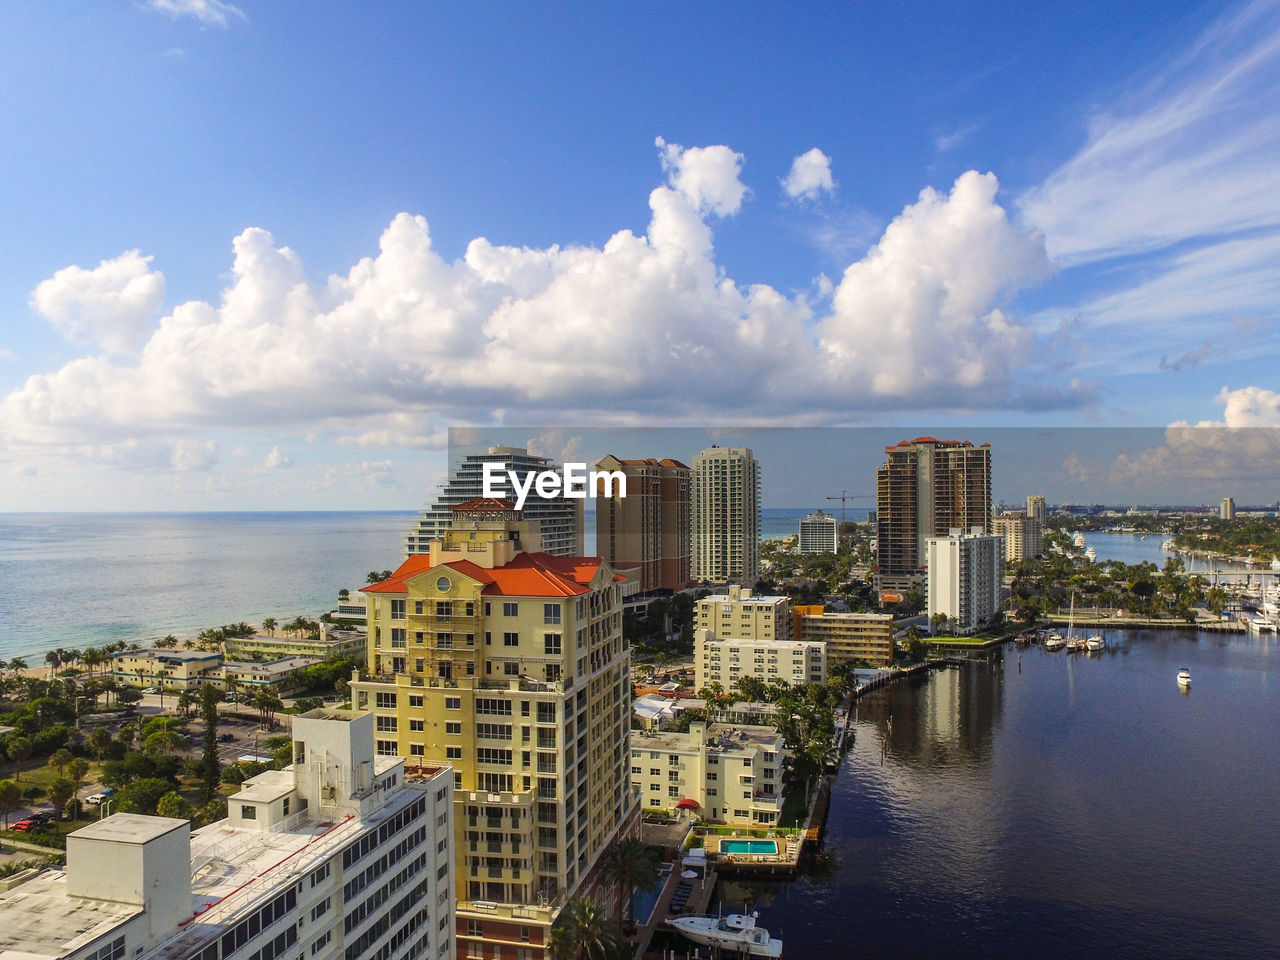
510	666
742	615
726	773
856	638
646	534
924	488
725	662
1021	533
726	515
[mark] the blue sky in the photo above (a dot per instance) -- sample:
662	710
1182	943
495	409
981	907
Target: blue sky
263	255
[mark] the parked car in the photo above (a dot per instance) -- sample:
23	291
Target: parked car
97	798
226	737
33	822
231	698
151	690
24	826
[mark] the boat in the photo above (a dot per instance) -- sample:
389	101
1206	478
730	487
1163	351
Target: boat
734	934
1096	642
1054	642
1091	555
1184	677
1275	563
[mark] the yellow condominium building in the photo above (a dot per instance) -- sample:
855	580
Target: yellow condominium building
508	664
724	773
740	614
849	637
727	661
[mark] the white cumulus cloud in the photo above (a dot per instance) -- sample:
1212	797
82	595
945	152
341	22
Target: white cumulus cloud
810	175
110	305
215	13
277	461
645	326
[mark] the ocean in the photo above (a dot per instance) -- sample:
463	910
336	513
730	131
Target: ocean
74	580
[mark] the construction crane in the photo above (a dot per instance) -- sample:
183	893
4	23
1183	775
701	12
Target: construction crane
846	495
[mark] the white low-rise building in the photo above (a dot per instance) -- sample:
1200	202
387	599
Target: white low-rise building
339	855
727	661
724	773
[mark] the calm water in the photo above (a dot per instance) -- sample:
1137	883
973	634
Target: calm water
76	580
1076	807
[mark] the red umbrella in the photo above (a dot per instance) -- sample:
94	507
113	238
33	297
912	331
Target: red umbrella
687	804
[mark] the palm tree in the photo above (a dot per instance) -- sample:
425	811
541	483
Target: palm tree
17	663
165	741
631	864
60	758
267	703
269	625
99	740
61	790
10	797
590	930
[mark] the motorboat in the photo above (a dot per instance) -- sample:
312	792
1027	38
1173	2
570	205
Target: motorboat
1054	642
734	934
1184	677
1096	642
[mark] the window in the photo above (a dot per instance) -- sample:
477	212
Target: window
417	750
397	609
551	644
673	791
387	748
444	608
511	668
551	613
385	701
451	703
399	637
416	725
386	724
453	753
248	812
546	713
511	639
491	707
453	728
493	755
511	609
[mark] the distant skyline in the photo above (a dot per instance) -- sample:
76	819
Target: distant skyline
264	255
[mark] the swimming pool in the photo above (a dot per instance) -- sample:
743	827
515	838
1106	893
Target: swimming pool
646	899
749	846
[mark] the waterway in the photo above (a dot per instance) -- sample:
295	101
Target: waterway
1050	805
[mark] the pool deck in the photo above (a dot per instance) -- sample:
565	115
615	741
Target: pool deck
699	902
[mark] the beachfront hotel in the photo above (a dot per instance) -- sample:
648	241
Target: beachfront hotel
819	533
559	519
924	488
726	515
344	854
508	664
646	535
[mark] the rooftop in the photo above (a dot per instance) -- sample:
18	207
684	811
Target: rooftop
38	919
130	828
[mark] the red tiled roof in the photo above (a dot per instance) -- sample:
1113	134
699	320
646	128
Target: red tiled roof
484	505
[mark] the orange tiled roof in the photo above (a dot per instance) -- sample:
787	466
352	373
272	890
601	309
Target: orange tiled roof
416	564
527	575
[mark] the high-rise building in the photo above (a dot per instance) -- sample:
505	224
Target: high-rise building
1227	509
1022	535
646	534
726	515
819	533
1036	509
560	519
925	488
965	574
510	665
344	854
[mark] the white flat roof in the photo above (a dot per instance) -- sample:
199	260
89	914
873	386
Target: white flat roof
130	828
38	919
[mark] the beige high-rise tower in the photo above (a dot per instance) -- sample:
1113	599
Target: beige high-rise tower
646	534
726	515
925	488
510	665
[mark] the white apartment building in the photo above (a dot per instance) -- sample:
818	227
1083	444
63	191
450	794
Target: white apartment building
819	533
965	574
727	661
337	856
740	614
725	773
726	515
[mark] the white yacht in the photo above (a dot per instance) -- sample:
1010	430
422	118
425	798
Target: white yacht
1184	677
1054	642
734	934
1096	642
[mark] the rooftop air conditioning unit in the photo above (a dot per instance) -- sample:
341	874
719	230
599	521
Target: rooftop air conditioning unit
328	792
